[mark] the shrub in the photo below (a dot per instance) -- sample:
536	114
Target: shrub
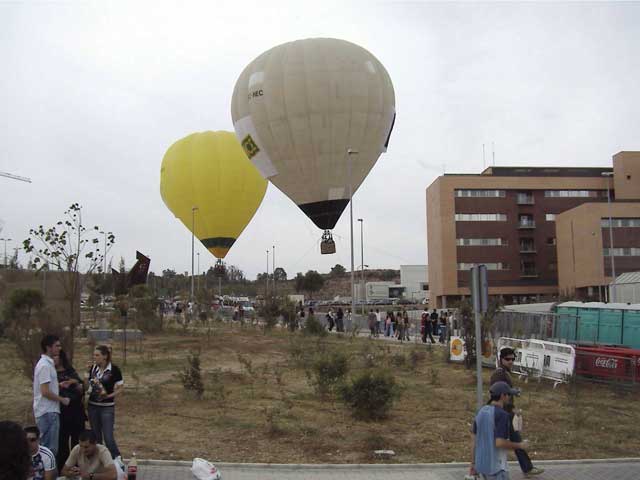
191	376
329	371
398	359
415	357
371	395
313	326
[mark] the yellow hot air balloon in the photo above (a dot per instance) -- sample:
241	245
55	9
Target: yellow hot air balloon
209	171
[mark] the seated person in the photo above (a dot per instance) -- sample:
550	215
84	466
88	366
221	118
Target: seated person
90	461
43	462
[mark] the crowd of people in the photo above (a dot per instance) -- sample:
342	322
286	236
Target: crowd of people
61	442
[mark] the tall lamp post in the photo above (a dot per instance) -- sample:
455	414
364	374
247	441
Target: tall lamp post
5	240
362	262
611	252
198	254
273	268
266	284
351	152
193	229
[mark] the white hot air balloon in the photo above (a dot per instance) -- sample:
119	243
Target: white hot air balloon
299	107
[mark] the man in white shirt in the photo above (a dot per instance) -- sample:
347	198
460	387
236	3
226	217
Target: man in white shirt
46	398
43	462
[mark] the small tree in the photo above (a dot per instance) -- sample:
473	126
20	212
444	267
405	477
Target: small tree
338	271
26	321
279	274
191	375
70	247
313	282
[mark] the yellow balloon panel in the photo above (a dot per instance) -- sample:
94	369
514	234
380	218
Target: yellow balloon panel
210	172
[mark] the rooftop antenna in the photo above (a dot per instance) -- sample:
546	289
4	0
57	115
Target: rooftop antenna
493	153
484	163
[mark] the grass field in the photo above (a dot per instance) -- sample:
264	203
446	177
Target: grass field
259	406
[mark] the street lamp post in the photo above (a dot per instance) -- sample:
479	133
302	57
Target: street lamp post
611	252
198	254
362	262
351	152
266	282
5	240
273	268
193	229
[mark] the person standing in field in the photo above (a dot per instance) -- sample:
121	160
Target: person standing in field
378	322
106	384
72	416
503	374
46	398
371	318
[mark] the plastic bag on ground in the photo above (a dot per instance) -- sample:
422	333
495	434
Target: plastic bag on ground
204	470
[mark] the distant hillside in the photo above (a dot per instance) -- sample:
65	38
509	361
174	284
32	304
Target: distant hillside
341	285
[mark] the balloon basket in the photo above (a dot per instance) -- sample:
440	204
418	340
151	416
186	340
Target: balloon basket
327	245
219	268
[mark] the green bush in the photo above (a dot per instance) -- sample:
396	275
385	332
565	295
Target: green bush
329	371
191	375
313	326
371	395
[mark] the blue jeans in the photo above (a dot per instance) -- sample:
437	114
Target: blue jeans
102	420
49	426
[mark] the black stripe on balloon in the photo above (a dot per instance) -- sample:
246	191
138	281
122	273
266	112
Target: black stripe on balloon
393	122
218	242
325	214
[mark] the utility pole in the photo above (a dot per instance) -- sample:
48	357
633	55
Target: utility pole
612	291
266	285
351	152
273	268
193	229
362	262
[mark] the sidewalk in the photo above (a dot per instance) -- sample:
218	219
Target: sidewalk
615	469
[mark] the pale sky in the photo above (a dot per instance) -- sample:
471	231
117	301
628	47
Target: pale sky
93	93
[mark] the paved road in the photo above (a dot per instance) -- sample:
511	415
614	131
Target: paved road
624	469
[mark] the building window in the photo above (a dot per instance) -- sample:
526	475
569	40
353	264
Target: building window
481	242
553	267
622	252
575	193
551	240
480	193
481	217
490	266
550	217
621	222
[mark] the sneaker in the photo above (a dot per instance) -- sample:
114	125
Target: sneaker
534	471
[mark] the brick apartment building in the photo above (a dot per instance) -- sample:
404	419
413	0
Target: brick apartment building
541	231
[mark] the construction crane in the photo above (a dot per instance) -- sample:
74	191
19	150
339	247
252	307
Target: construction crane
15	177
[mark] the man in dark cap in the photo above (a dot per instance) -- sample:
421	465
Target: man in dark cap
491	435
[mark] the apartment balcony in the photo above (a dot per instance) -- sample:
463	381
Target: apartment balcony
524	200
528	273
526	249
526	224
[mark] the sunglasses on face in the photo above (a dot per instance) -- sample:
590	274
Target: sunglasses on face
509	359
32	439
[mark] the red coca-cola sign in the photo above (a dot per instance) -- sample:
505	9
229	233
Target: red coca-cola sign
607	362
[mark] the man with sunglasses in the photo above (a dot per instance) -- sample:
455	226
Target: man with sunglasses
43	461
507	356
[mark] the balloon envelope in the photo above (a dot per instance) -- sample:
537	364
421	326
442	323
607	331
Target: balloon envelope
299	107
211	172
